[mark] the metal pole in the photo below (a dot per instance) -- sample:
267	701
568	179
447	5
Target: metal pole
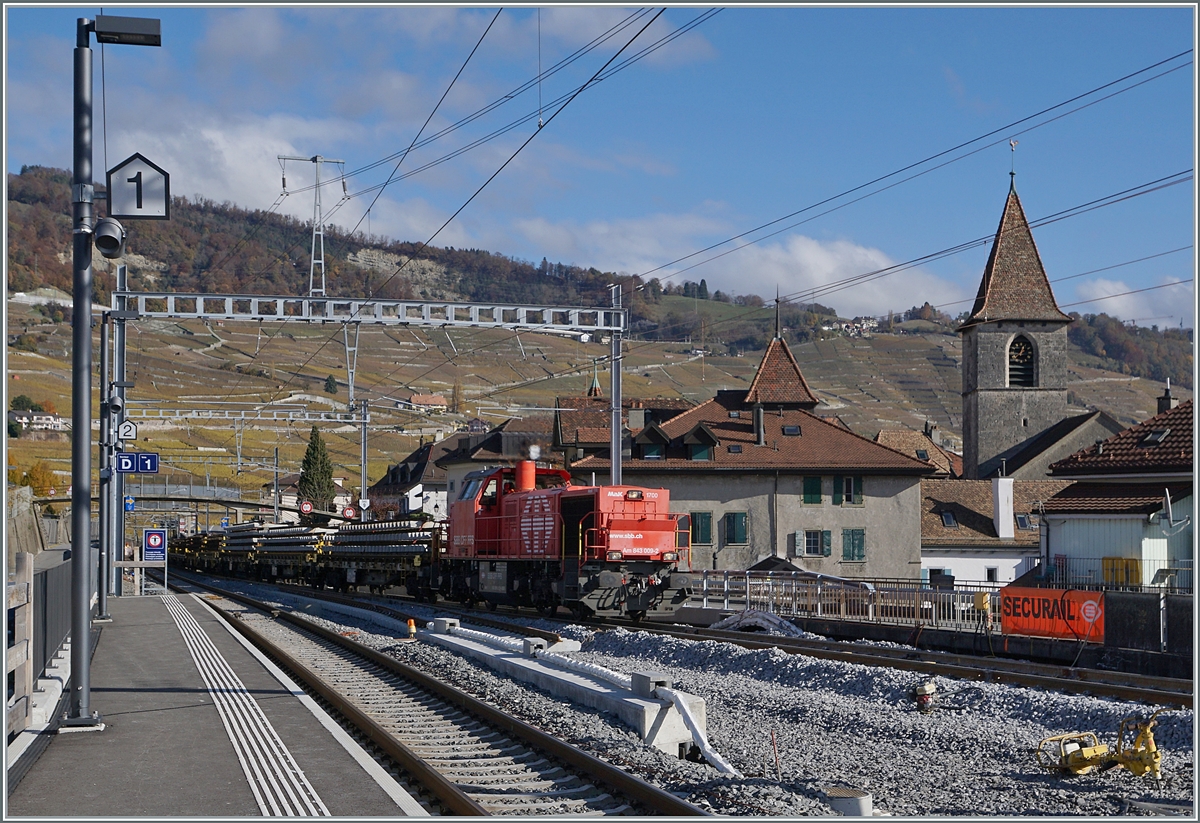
106	472
80	712
118	487
615	358
362	508
275	488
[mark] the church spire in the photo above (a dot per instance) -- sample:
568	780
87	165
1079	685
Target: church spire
1014	285
595	391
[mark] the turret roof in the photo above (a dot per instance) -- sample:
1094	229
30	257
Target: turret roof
779	381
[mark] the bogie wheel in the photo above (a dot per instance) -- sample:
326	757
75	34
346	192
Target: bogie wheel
547	609
491	605
636	616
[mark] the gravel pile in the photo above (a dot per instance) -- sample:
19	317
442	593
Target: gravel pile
835	725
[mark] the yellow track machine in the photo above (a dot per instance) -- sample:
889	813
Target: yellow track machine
1082	752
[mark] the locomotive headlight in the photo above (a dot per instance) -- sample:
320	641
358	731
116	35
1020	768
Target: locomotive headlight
633	494
614	557
669	557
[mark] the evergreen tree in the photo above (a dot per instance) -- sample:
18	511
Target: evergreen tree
316	474
330	385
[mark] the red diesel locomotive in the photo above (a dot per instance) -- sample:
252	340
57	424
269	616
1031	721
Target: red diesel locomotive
525	536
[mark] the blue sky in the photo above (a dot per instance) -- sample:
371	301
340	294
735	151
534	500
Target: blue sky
751	115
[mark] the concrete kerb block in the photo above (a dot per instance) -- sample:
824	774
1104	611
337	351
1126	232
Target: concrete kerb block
444	625
533	645
49	687
644	683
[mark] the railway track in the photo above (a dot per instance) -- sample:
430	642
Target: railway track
1098	682
471	757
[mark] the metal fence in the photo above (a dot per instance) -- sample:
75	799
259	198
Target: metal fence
899	603
51	614
1121	573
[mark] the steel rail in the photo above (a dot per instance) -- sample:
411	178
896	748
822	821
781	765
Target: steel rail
649	795
1140	688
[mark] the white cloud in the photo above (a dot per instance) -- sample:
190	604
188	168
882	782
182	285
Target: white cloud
1161	307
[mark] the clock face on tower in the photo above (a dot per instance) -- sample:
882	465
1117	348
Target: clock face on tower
1020	363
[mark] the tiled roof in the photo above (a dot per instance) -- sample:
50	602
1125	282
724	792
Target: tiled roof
508	441
819	446
1014	285
971	503
1114	498
1035	446
779	381
1139	449
908	442
587	420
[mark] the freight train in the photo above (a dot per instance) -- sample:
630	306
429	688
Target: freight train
516	535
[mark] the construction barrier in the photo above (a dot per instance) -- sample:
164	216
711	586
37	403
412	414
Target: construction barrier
1065	614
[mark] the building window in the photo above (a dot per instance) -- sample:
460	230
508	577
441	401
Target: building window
847	490
791	431
949	521
652	451
736	531
735	414
812	490
1027	522
736	448
699	451
992	574
854	544
701	528
817	543
922	454
451	487
1020	362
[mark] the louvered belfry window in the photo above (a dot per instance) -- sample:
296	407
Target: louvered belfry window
1020	363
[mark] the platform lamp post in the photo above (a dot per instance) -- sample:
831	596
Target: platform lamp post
109	237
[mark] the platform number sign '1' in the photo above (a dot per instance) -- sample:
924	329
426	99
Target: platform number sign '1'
138	190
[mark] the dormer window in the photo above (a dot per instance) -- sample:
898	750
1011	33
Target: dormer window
1153	438
700	451
652	451
1020	363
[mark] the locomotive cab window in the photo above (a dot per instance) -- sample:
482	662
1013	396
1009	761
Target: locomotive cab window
488	498
469	490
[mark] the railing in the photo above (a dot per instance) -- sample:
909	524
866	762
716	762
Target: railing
51	614
1122	573
901	603
19	668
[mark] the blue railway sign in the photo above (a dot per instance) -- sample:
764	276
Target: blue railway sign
137	462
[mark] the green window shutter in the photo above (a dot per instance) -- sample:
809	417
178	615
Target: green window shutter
847	545
812	490
837	490
735	527
702	528
860	544
826	543
858	484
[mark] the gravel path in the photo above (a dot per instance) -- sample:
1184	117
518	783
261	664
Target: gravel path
835	724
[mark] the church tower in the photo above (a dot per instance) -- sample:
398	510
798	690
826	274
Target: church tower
1014	384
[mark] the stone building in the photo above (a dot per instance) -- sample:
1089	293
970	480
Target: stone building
1014	382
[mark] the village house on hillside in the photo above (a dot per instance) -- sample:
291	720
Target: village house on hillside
1113	525
761	476
1014	380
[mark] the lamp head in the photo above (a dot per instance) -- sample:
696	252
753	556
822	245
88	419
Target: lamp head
109	236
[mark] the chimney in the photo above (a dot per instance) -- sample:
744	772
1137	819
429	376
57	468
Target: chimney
637	420
1167	402
1002	507
760	434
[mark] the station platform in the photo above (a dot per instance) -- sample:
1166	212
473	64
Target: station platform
196	723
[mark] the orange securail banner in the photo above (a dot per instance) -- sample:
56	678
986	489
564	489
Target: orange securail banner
1071	615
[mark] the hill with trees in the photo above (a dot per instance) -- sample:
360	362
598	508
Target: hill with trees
222	248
